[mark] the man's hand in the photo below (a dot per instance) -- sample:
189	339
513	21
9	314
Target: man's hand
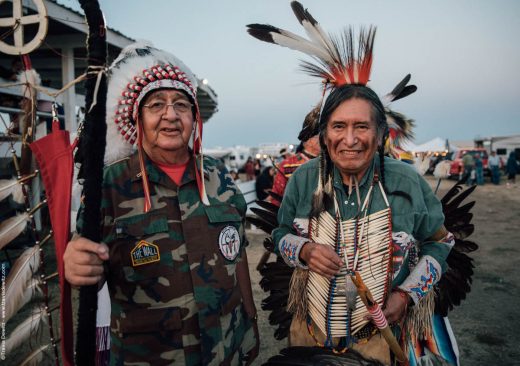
396	305
84	262
321	259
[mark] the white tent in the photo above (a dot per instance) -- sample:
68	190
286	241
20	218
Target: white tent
435	145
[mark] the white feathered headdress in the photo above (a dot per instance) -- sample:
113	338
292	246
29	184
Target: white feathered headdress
138	70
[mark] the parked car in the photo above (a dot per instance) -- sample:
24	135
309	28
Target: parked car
456	166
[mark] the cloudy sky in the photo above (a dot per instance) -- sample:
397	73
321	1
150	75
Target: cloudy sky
463	55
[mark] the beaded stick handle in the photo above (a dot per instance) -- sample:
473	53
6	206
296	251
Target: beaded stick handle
378	317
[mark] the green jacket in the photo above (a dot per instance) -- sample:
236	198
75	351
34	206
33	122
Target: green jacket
171	273
413	222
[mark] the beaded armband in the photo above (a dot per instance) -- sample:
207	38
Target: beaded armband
290	246
424	276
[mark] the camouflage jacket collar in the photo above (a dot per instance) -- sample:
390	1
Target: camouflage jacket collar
157	176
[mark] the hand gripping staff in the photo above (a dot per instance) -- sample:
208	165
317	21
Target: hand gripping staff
379	319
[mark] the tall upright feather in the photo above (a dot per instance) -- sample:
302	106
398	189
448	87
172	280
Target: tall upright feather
336	59
284	38
314	29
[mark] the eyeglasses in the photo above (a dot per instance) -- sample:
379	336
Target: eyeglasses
180	107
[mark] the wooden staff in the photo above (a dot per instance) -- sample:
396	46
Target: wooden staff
378	318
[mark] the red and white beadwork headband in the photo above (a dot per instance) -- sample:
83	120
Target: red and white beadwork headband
156	77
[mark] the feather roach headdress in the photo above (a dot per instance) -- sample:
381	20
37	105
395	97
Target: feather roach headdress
139	70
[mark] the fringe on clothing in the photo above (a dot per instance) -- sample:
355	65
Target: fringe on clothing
102	346
419	318
297	301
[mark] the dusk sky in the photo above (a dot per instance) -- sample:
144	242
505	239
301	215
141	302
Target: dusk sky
463	55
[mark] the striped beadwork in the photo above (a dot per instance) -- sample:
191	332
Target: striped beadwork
126	113
327	303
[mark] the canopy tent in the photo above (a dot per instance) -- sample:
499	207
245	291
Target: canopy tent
435	145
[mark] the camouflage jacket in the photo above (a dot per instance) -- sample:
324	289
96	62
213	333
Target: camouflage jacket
171	274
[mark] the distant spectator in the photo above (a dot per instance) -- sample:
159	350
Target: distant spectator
249	168
258	167
494	166
264	183
479	170
469	164
512	168
235	176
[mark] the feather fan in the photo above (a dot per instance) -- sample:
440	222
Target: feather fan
19	280
25	329
455	284
14	226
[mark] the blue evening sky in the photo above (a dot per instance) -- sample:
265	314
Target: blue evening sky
463	55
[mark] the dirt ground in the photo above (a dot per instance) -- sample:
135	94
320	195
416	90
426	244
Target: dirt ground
487	324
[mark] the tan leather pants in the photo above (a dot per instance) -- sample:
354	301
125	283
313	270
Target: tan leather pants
375	348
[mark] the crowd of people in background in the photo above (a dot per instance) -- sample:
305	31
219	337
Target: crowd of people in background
473	168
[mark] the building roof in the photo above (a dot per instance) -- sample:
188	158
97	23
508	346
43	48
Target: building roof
67	28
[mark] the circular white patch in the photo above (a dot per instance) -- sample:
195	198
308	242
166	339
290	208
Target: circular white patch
229	242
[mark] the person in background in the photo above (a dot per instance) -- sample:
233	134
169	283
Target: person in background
512	168
173	248
479	170
494	166
468	163
309	148
258	167
264	182
249	168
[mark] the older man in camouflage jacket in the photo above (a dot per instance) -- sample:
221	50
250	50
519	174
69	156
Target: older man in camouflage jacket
176	271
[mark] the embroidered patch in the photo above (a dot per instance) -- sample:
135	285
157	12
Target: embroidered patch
145	253
229	242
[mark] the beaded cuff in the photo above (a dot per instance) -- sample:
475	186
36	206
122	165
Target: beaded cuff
426	273
290	246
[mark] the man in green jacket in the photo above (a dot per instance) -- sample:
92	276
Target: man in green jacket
390	208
